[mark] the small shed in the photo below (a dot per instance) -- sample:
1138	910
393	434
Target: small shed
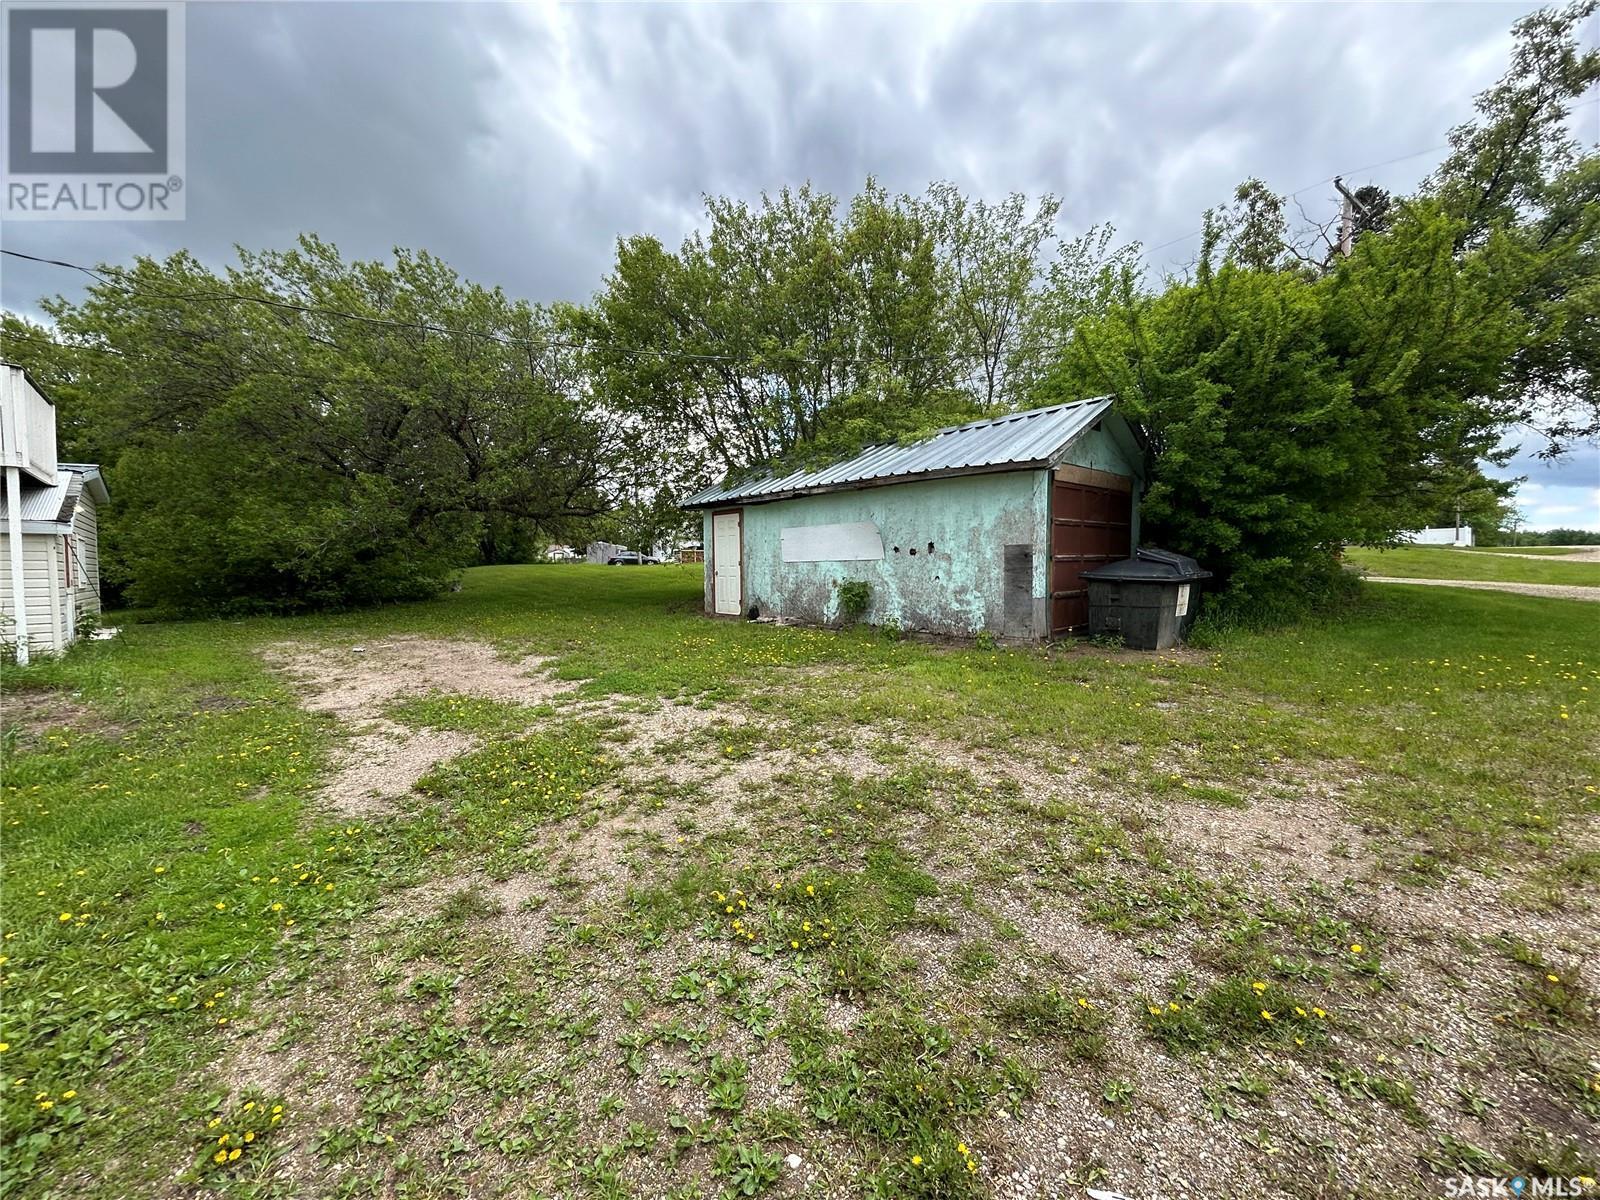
49	526
984	526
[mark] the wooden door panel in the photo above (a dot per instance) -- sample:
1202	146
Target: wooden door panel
1091	523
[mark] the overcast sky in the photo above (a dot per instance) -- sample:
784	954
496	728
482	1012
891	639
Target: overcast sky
518	142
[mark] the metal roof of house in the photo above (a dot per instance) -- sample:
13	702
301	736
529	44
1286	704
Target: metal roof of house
48	508
1014	442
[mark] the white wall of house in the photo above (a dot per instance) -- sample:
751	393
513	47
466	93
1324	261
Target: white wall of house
1449	535
86	557
47	602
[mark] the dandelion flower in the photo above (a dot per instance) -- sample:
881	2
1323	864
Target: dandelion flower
916	1160
1265	1015
1356	947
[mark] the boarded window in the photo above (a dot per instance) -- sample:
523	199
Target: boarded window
859	541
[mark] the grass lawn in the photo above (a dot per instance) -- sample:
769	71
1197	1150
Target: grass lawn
555	887
1444	562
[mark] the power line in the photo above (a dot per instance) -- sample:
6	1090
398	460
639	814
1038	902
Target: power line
342	314
540	343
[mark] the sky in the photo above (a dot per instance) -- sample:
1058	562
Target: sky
518	142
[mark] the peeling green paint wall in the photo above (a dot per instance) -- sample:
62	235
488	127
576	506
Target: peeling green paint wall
960	586
956	587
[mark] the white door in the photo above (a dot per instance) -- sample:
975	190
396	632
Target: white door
727	580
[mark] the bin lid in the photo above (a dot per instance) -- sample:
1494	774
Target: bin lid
1149	565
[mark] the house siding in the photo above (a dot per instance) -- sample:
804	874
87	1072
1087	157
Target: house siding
86	540
45	627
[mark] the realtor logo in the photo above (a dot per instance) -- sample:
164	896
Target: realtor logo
94	112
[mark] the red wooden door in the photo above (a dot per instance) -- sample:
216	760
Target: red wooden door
1091	523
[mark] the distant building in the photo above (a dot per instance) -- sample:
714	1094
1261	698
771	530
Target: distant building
983	527
49	526
1446	535
603	552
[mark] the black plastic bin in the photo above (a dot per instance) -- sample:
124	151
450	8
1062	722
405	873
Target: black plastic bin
1149	600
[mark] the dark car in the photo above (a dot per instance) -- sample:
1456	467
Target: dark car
631	558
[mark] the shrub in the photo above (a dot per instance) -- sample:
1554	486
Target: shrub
855	597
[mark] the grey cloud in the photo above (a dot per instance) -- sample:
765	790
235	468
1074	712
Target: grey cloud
518	143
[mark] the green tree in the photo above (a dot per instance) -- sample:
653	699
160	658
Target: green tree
991	256
780	332
1516	173
300	431
1288	414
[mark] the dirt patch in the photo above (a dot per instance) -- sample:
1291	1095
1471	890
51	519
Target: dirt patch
29	715
383	759
357	682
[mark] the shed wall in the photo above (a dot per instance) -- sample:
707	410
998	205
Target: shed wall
959	587
990	565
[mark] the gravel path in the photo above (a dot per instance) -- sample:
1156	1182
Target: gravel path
1573	554
1561	591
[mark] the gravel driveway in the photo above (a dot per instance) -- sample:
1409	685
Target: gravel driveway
1560	591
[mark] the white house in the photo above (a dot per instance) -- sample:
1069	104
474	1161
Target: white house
49	528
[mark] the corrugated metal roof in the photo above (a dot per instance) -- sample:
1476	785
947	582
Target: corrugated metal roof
1016	440
49	509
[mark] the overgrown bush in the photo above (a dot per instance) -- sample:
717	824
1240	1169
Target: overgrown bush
855	597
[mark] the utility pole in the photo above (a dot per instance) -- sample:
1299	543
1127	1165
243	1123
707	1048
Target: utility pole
1347	218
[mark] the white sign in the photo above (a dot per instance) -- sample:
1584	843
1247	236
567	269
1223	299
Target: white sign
1183	599
858	541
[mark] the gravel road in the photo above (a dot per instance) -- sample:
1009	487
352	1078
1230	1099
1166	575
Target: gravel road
1560	591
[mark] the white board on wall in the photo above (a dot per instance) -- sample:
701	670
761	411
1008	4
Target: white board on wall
855	542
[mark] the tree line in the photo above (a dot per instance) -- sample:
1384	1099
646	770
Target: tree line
299	430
